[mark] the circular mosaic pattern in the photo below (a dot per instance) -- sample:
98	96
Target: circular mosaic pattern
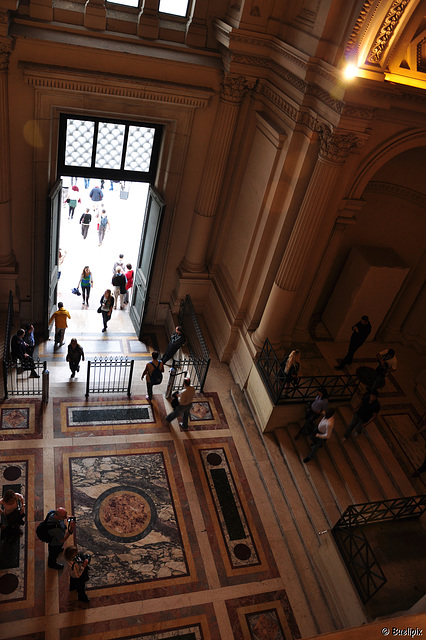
124	514
8	583
12	473
242	551
214	459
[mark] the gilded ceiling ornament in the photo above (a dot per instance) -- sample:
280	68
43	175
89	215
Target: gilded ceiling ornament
386	30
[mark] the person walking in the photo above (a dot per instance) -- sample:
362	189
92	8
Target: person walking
74	355
177	340
316	409
86	282
365	412
78	570
119	283
129	283
85	221
19	353
360	332
321	434
72	201
154	374
60	317
96	195
118	263
102	227
107	304
186	397
59	533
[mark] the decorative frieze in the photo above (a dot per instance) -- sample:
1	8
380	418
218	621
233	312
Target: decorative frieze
46	76
396	190
359	24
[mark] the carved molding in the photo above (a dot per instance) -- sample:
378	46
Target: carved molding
279	101
337	146
358	25
386	30
389	188
62	78
358	111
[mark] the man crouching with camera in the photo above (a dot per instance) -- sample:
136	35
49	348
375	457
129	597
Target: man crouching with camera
79	571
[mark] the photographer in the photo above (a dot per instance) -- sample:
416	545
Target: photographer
79	571
59	532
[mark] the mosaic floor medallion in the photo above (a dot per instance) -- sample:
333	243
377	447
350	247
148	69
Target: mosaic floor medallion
124	514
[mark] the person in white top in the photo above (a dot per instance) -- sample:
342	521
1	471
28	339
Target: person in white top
322	433
186	397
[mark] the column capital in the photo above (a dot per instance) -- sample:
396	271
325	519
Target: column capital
234	88
336	147
6	46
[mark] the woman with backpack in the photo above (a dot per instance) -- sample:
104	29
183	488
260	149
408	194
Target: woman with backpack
154	374
86	282
103	225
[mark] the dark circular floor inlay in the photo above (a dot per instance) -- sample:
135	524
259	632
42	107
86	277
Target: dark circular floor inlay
214	459
242	551
8	583
124	514
12	473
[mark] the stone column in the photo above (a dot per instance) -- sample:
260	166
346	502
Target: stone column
323	269
391	332
334	150
7	258
148	21
95	14
233	91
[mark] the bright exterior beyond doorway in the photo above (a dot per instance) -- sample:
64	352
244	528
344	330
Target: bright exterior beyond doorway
125	217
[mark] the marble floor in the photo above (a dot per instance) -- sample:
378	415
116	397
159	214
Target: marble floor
187	533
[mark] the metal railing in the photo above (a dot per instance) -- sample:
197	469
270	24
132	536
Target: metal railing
306	387
18	379
109	375
196	364
353	544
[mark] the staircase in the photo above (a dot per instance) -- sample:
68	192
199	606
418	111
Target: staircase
309	498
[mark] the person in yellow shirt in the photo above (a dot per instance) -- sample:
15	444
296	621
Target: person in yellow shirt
60	317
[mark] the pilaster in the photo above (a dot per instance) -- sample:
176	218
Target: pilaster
334	149
233	91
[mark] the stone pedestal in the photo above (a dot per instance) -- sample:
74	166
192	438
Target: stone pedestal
369	283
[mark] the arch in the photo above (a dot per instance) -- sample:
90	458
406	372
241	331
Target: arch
379	157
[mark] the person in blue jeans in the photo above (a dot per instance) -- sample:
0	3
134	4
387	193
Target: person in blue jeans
186	397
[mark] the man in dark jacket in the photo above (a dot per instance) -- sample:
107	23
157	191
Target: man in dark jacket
360	332
119	283
177	340
19	352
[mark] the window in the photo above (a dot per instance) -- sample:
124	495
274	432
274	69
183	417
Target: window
103	148
174	7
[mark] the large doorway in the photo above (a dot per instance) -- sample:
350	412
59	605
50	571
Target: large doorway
121	158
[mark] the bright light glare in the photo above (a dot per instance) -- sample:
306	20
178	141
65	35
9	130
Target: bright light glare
350	71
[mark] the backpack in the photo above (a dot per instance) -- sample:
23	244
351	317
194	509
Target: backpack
156	376
104	221
43	528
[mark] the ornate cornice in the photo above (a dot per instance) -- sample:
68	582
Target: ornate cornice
386	30
279	101
358	25
397	190
336	146
234	88
63	78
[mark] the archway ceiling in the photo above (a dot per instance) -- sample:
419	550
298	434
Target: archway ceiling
388	42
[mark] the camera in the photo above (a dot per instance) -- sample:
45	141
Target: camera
82	557
72	519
